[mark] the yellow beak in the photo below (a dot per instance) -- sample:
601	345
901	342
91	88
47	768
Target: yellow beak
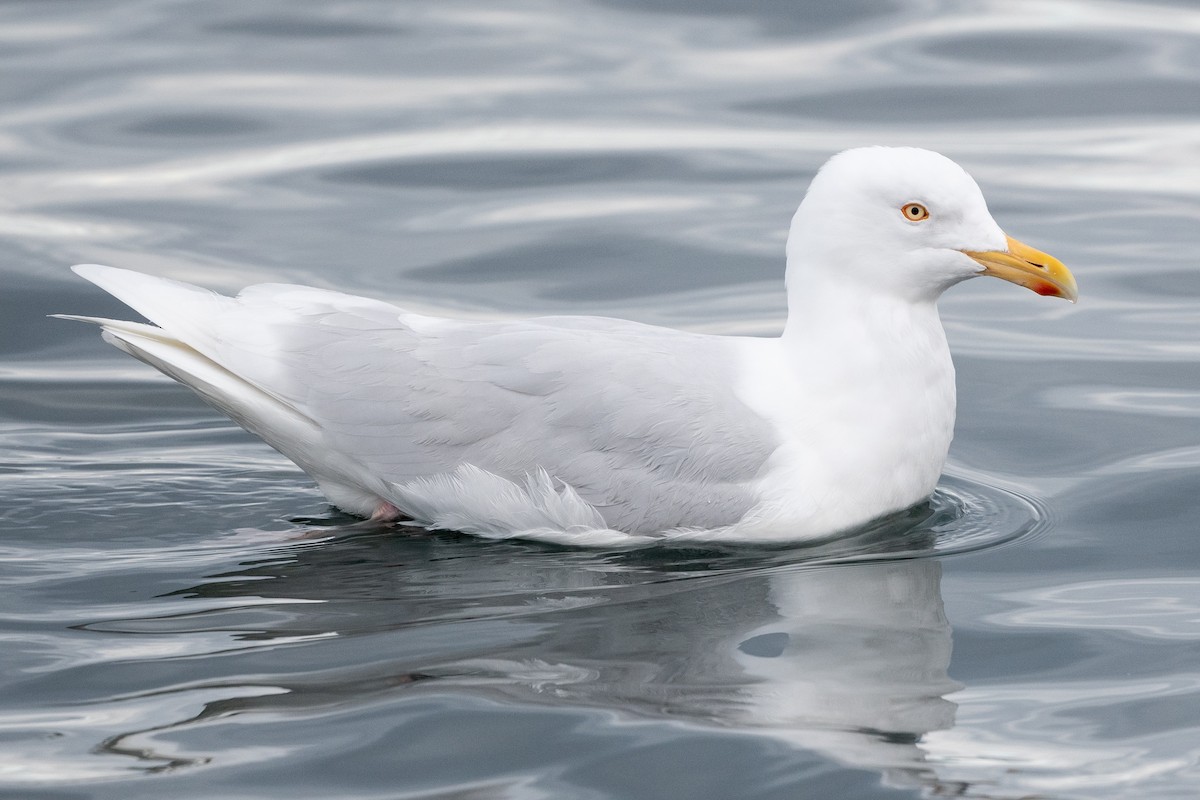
1030	268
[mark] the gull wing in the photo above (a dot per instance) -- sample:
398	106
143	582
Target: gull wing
641	422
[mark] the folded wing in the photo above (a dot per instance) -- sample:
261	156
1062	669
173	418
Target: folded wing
641	422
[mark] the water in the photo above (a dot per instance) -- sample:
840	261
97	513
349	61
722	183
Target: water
181	614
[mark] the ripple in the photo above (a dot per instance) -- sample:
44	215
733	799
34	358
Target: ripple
970	515
777	17
1152	608
537	171
1116	99
1030	48
289	26
964	515
195	125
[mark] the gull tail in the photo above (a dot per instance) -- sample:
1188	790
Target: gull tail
178	309
181	346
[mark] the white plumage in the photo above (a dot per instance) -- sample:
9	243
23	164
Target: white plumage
596	430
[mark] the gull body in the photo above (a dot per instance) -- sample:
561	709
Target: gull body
590	429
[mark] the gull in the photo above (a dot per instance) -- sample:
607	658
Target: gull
596	430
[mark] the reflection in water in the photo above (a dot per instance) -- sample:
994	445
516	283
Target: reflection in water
860	673
846	660
839	648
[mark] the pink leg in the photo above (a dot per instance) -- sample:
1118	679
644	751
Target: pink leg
386	512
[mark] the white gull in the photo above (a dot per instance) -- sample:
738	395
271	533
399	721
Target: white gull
603	431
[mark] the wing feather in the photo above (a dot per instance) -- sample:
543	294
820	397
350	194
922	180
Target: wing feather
642	422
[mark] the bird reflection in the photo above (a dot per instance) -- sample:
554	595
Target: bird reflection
845	659
855	667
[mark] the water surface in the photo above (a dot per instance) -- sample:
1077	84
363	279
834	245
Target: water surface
183	616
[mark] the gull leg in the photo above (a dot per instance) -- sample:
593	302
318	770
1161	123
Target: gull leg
386	512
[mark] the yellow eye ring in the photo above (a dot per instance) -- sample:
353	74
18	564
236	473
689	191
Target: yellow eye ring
914	212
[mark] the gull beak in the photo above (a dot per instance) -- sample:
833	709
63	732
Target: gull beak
1033	269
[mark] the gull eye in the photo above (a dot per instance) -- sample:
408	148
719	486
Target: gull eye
914	212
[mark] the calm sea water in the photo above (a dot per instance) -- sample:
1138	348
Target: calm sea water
181	615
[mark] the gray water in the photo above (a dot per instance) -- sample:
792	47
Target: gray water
183	616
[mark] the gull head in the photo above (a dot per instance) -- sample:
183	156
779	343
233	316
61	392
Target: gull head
909	223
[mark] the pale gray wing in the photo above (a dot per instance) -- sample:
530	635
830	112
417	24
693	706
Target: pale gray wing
642	422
